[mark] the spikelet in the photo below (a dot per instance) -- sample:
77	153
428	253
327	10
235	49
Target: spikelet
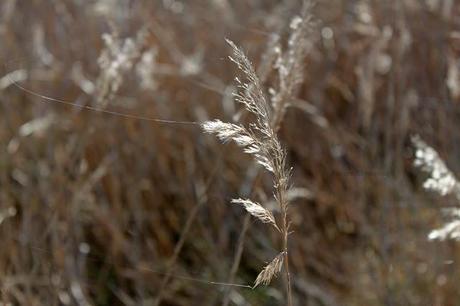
258	211
250	143
442	181
270	271
250	94
226	131
450	230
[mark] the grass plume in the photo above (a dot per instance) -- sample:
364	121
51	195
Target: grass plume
261	141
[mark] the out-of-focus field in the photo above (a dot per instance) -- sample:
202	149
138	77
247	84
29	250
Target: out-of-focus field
105	209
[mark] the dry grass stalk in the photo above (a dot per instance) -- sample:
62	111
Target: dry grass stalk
137	207
261	141
290	63
115	60
442	181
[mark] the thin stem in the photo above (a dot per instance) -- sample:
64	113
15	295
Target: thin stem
237	259
283	204
178	248
286	259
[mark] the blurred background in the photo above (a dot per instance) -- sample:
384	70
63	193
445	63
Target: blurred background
108	207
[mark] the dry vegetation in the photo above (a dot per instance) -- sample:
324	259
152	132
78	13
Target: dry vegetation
102	205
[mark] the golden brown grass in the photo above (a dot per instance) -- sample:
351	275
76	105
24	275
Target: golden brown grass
94	206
